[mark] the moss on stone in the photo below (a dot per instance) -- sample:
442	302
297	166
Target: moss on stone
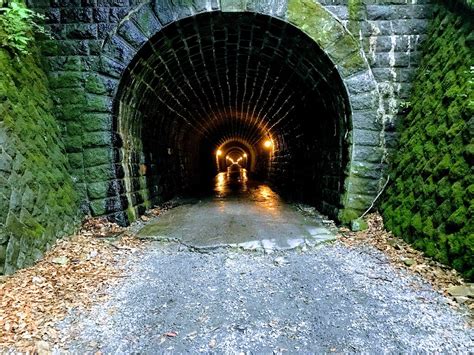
313	19
347	215
355	8
430	201
44	200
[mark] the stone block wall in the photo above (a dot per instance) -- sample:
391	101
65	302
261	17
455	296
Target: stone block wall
38	202
83	92
84	84
430	202
392	33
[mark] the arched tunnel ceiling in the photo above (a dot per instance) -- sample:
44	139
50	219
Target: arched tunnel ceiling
229	76
219	77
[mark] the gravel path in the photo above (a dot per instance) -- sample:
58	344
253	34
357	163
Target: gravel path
324	299
270	281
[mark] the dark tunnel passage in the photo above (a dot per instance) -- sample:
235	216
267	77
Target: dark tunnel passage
220	86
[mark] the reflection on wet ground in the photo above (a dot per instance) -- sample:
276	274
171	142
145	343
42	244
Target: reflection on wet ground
241	212
232	182
235	184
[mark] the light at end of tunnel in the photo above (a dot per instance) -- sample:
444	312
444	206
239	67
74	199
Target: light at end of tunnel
268	144
219	152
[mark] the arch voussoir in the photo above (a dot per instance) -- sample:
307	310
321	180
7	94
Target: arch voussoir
146	20
132	34
118	49
169	11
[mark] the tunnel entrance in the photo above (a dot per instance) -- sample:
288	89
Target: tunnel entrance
218	87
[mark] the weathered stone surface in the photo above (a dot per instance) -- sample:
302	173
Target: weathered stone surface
37	199
361	83
397	12
76	15
98	190
99	173
339	11
365	101
132	34
110	67
81	31
233	5
367	119
371	153
103	37
101	14
98	139
366	170
119	50
145	19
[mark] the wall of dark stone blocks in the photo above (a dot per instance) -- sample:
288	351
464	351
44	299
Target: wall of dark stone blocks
38	201
390	32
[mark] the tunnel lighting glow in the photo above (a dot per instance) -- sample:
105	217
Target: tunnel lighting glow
268	143
192	88
245	155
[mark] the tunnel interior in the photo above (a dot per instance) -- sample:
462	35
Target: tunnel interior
220	86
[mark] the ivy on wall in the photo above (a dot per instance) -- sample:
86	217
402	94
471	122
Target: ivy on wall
431	201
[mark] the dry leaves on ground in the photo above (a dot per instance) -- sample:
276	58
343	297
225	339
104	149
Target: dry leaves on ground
402	255
71	275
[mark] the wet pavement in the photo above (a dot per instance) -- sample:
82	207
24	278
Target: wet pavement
202	289
240	213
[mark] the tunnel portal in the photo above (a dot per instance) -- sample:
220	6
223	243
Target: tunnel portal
218	81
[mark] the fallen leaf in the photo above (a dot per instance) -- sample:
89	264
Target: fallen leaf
34	299
409	262
42	347
61	260
461	291
402	255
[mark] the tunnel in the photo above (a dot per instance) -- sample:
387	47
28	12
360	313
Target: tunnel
219	86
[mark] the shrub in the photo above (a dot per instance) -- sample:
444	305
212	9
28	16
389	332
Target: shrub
18	24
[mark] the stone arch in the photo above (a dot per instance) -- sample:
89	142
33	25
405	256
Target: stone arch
241	145
363	135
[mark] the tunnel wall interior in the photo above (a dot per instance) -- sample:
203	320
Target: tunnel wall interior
216	77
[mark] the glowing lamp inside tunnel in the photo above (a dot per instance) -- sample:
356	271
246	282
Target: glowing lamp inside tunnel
219	152
268	144
245	155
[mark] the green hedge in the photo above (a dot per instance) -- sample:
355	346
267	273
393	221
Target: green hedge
430	203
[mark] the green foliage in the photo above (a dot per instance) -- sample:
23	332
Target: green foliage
17	27
430	202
